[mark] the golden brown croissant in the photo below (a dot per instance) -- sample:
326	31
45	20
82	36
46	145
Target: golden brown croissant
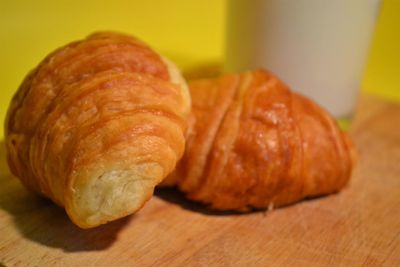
97	125
252	143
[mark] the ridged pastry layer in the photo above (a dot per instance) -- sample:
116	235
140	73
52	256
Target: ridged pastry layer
253	143
97	125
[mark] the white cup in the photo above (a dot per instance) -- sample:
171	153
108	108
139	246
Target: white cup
318	47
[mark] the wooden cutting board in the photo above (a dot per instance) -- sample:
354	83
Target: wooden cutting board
360	226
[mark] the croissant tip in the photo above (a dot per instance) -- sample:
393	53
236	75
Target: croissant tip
109	196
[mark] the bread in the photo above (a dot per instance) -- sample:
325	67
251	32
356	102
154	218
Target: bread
252	143
97	125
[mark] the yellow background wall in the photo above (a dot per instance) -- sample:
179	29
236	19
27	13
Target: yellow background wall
382	74
189	32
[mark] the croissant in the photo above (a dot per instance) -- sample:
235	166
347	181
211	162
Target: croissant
97	125
252	143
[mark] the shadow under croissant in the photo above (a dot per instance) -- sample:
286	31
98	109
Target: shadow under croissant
174	196
41	221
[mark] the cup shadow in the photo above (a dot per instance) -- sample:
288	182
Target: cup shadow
43	222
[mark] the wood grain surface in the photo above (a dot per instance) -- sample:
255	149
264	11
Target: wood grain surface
359	226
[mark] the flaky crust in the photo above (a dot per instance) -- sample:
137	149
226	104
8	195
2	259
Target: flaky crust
252	143
97	125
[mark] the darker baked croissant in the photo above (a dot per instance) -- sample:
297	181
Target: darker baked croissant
97	125
252	143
